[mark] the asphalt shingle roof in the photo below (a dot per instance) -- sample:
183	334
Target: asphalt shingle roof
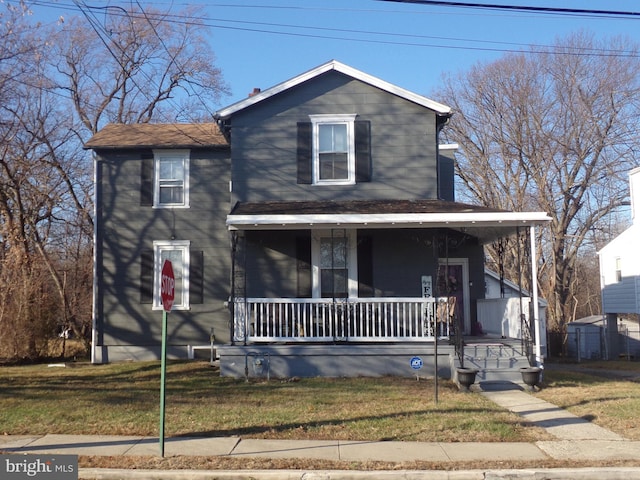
356	207
151	135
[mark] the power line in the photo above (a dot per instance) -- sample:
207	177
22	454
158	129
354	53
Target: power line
522	8
337	34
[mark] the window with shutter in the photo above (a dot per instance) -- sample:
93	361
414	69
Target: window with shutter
334	150
177	251
171	178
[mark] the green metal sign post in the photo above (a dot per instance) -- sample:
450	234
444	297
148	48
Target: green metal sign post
163	380
167	284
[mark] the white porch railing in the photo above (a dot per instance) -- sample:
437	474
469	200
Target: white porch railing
352	320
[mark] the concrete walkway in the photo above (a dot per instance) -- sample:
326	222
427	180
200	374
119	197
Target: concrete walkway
577	439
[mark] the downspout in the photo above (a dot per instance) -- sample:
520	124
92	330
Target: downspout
94	307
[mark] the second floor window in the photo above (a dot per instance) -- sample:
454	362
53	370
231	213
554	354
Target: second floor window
333	149
171	178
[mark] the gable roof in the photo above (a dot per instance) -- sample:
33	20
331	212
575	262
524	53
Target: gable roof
151	135
333	65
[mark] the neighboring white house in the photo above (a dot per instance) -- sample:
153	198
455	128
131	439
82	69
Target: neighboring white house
620	266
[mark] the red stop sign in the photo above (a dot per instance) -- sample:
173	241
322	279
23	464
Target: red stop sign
167	285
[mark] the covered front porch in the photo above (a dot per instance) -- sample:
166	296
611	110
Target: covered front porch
317	286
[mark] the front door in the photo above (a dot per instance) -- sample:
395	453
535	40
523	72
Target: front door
453	281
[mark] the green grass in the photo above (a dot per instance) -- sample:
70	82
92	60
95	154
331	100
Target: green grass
123	399
604	399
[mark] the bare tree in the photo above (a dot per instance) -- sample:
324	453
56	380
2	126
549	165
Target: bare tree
556	132
58	86
134	66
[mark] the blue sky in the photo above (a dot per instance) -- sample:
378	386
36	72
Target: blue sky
408	45
260	43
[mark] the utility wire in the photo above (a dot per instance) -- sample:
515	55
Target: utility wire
101	32
348	34
523	8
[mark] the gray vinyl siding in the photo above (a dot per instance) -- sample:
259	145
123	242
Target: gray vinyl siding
402	257
403	146
125	229
446	176
622	297
271	264
399	259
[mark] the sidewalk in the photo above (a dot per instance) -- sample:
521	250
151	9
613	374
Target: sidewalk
577	440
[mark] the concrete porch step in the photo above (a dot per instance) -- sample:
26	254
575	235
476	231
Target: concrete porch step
494	349
500	375
496	360
498	363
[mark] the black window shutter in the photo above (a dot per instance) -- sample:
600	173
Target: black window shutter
146	276
303	266
196	276
304	152
146	181
363	150
365	266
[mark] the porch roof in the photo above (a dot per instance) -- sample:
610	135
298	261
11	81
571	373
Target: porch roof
487	224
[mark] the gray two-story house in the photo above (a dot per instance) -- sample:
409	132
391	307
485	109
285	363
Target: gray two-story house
313	228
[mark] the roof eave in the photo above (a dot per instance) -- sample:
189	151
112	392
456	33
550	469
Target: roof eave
403	220
138	146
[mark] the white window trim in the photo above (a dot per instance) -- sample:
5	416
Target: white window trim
158	247
157	156
349	120
352	262
618	270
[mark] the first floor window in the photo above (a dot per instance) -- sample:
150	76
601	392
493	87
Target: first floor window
334	273
334	259
177	251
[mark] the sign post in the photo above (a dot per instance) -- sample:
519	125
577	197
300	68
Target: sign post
167	286
427	292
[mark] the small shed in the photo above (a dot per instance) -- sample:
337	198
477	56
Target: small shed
586	338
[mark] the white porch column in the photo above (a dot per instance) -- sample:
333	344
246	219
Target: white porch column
534	296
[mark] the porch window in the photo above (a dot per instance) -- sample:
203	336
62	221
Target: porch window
333	268
171	178
334	259
618	269
177	251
